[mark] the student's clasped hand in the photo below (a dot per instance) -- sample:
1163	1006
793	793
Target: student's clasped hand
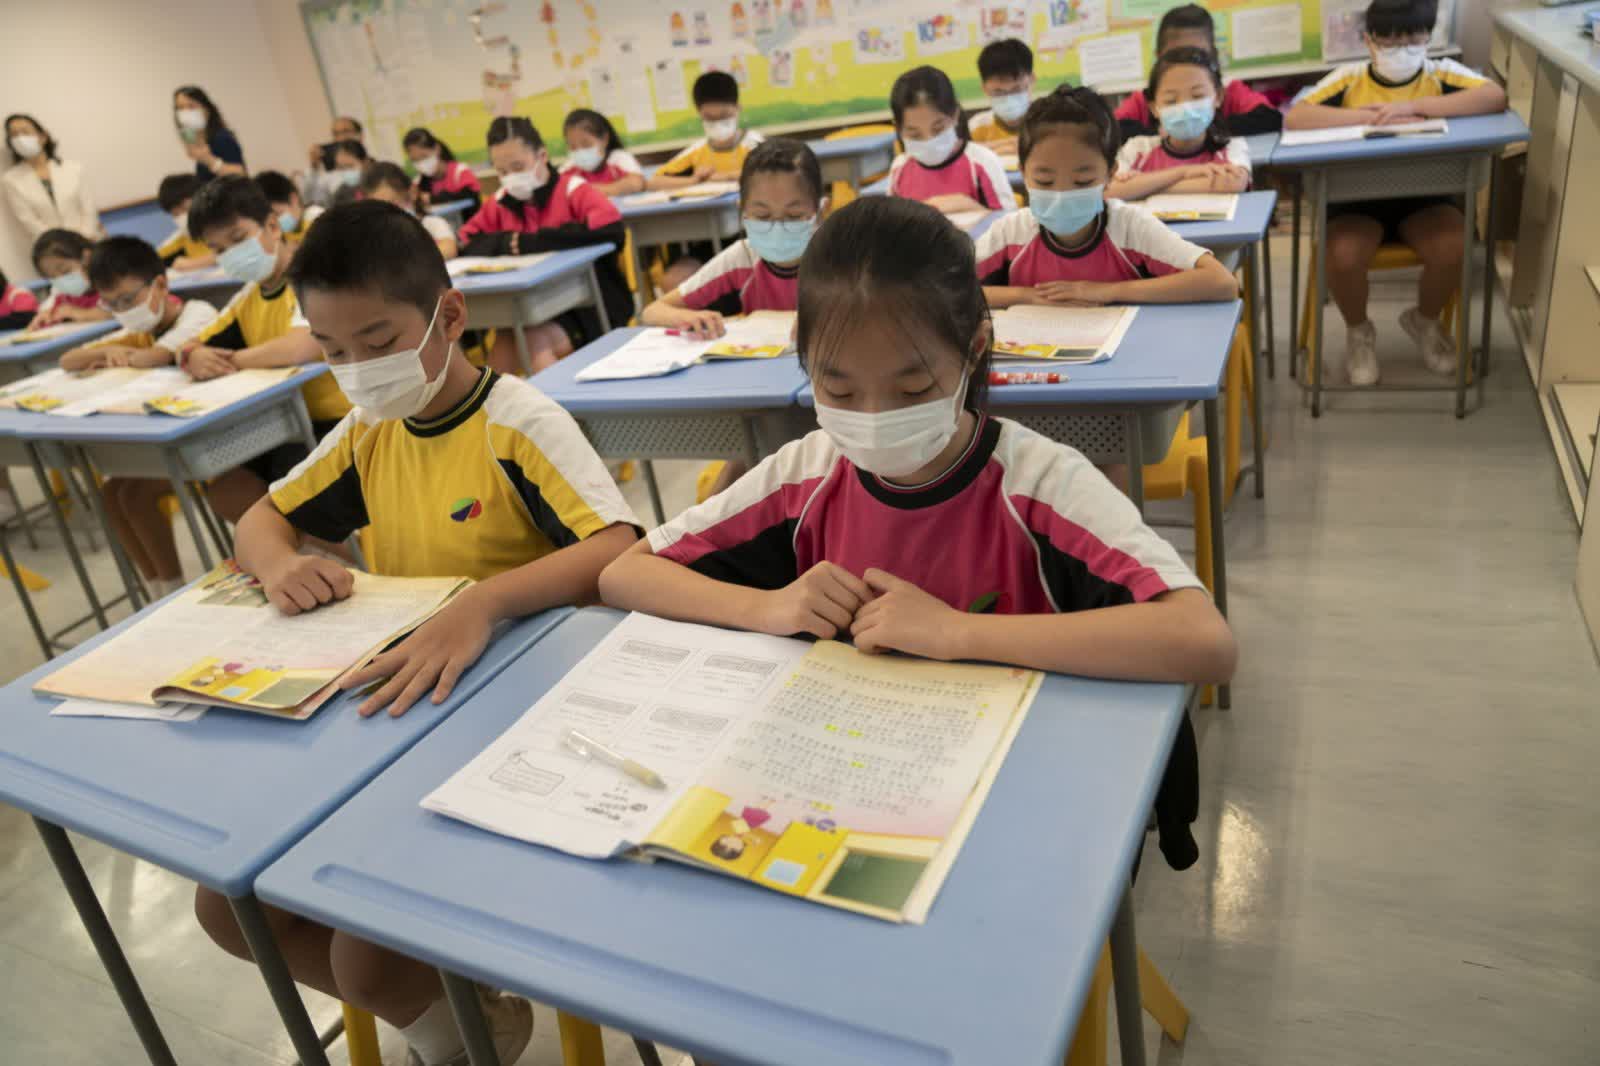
822	601
902	617
1073	293
305	582
434	657
205	363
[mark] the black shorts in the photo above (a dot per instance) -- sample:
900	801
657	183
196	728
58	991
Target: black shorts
273	465
1390	213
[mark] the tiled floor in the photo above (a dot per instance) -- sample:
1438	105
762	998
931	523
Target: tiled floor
1397	833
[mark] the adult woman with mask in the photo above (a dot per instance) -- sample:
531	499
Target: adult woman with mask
43	190
206	137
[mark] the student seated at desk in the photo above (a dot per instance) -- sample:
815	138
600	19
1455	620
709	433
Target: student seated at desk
260	327
913	520
539	210
1244	111
440	179
1194	152
1399	84
1005	70
62	255
18	305
130	281
941	166
428	430
387	182
181	251
1072	245
595	150
294	215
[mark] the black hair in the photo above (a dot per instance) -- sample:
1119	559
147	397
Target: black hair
355	148
352	120
1400	18
383	173
595	123
887	255
715	87
927	86
116	258
422	137
509	127
1068	106
276	186
214	121
49	148
1217	132
1009	58
222	200
60	243
782	155
175	189
375	246
1186	17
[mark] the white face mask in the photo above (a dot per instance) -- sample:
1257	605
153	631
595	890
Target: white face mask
395	385
191	118
1399	63
140	318
894	443
26	145
523	183
722	130
428	166
934	150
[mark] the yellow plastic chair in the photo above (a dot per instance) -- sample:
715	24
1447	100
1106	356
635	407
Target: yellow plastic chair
1182	472
581	1043
33	582
1088	1047
1387	257
841	193
361	1037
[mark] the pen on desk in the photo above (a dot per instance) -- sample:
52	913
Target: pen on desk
588	748
1000	377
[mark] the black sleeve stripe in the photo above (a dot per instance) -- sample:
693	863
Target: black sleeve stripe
1131	128
1446	87
765	561
1336	100
1072	584
544	516
1262	119
999	276
334	513
230	339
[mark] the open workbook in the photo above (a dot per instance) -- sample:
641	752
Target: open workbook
655	352
1193	206
1065	334
220	643
164	390
810	769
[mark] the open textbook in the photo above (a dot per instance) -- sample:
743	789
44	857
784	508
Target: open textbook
654	352
221	643
1428	127
1067	334
810	769
468	265
43	333
1193	207
130	390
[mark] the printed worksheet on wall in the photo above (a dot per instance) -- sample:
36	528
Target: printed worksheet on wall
810	769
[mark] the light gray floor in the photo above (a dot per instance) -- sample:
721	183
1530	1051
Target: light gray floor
1397	828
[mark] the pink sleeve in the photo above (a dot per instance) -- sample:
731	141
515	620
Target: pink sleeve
466	179
1239	99
714	280
491	218
594	207
1135	108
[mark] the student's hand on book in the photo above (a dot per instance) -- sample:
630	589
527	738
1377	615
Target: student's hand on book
120	355
203	363
702	325
304	582
822	601
1227	177
1074	293
432	658
704	172
902	617
1397	112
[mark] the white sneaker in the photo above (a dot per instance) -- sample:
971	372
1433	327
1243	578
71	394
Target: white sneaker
1438	351
1361	353
510	1021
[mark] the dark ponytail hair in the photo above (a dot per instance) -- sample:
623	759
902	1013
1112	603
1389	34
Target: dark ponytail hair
926	87
595	123
1217	132
1081	107
514	127
782	155
422	137
889	257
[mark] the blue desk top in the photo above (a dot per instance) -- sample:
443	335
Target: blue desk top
731	385
1251	217
848	146
690	205
146	429
1262	146
1474	133
450	207
558	265
211	277
43	349
216	799
731	972
1172	353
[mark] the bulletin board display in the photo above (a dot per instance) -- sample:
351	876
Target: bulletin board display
453	65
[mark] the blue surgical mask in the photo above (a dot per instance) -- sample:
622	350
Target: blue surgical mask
248	261
779	241
1011	106
1064	211
288	222
72	283
936	149
587	158
1189	120
347	176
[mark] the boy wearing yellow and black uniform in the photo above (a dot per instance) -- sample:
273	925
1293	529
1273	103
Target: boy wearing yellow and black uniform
453	471
1399	84
181	251
260	327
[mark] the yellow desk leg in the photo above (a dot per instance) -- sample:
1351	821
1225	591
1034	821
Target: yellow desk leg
1088	1047
361	1037
31	581
1233	413
580	1041
1160	1001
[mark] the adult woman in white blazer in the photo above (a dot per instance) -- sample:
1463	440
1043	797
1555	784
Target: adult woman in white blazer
41	189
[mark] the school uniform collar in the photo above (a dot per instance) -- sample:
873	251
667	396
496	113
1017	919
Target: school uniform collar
1205	146
1054	245
459	413
961	150
1372	73
541	195
274	291
948	485
780	271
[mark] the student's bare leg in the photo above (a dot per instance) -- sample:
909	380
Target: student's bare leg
122	526
1352	242
503	356
548	344
731	471
141	507
395	987
679	272
304	943
235	492
1434	233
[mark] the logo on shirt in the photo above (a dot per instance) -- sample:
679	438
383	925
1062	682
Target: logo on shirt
466	509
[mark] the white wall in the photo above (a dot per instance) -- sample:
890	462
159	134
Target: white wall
100	75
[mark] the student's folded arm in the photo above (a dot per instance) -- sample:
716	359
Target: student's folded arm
84	358
628	183
1261	119
572	235
952	203
1208	280
1000	296
265	539
1485	99
640	580
568	576
1136	185
1309	116
294	348
487	243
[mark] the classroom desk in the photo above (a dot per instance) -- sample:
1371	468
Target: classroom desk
1455	164
211	284
171	794
17	361
851	159
452	211
708	218
735	408
731	972
514	299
